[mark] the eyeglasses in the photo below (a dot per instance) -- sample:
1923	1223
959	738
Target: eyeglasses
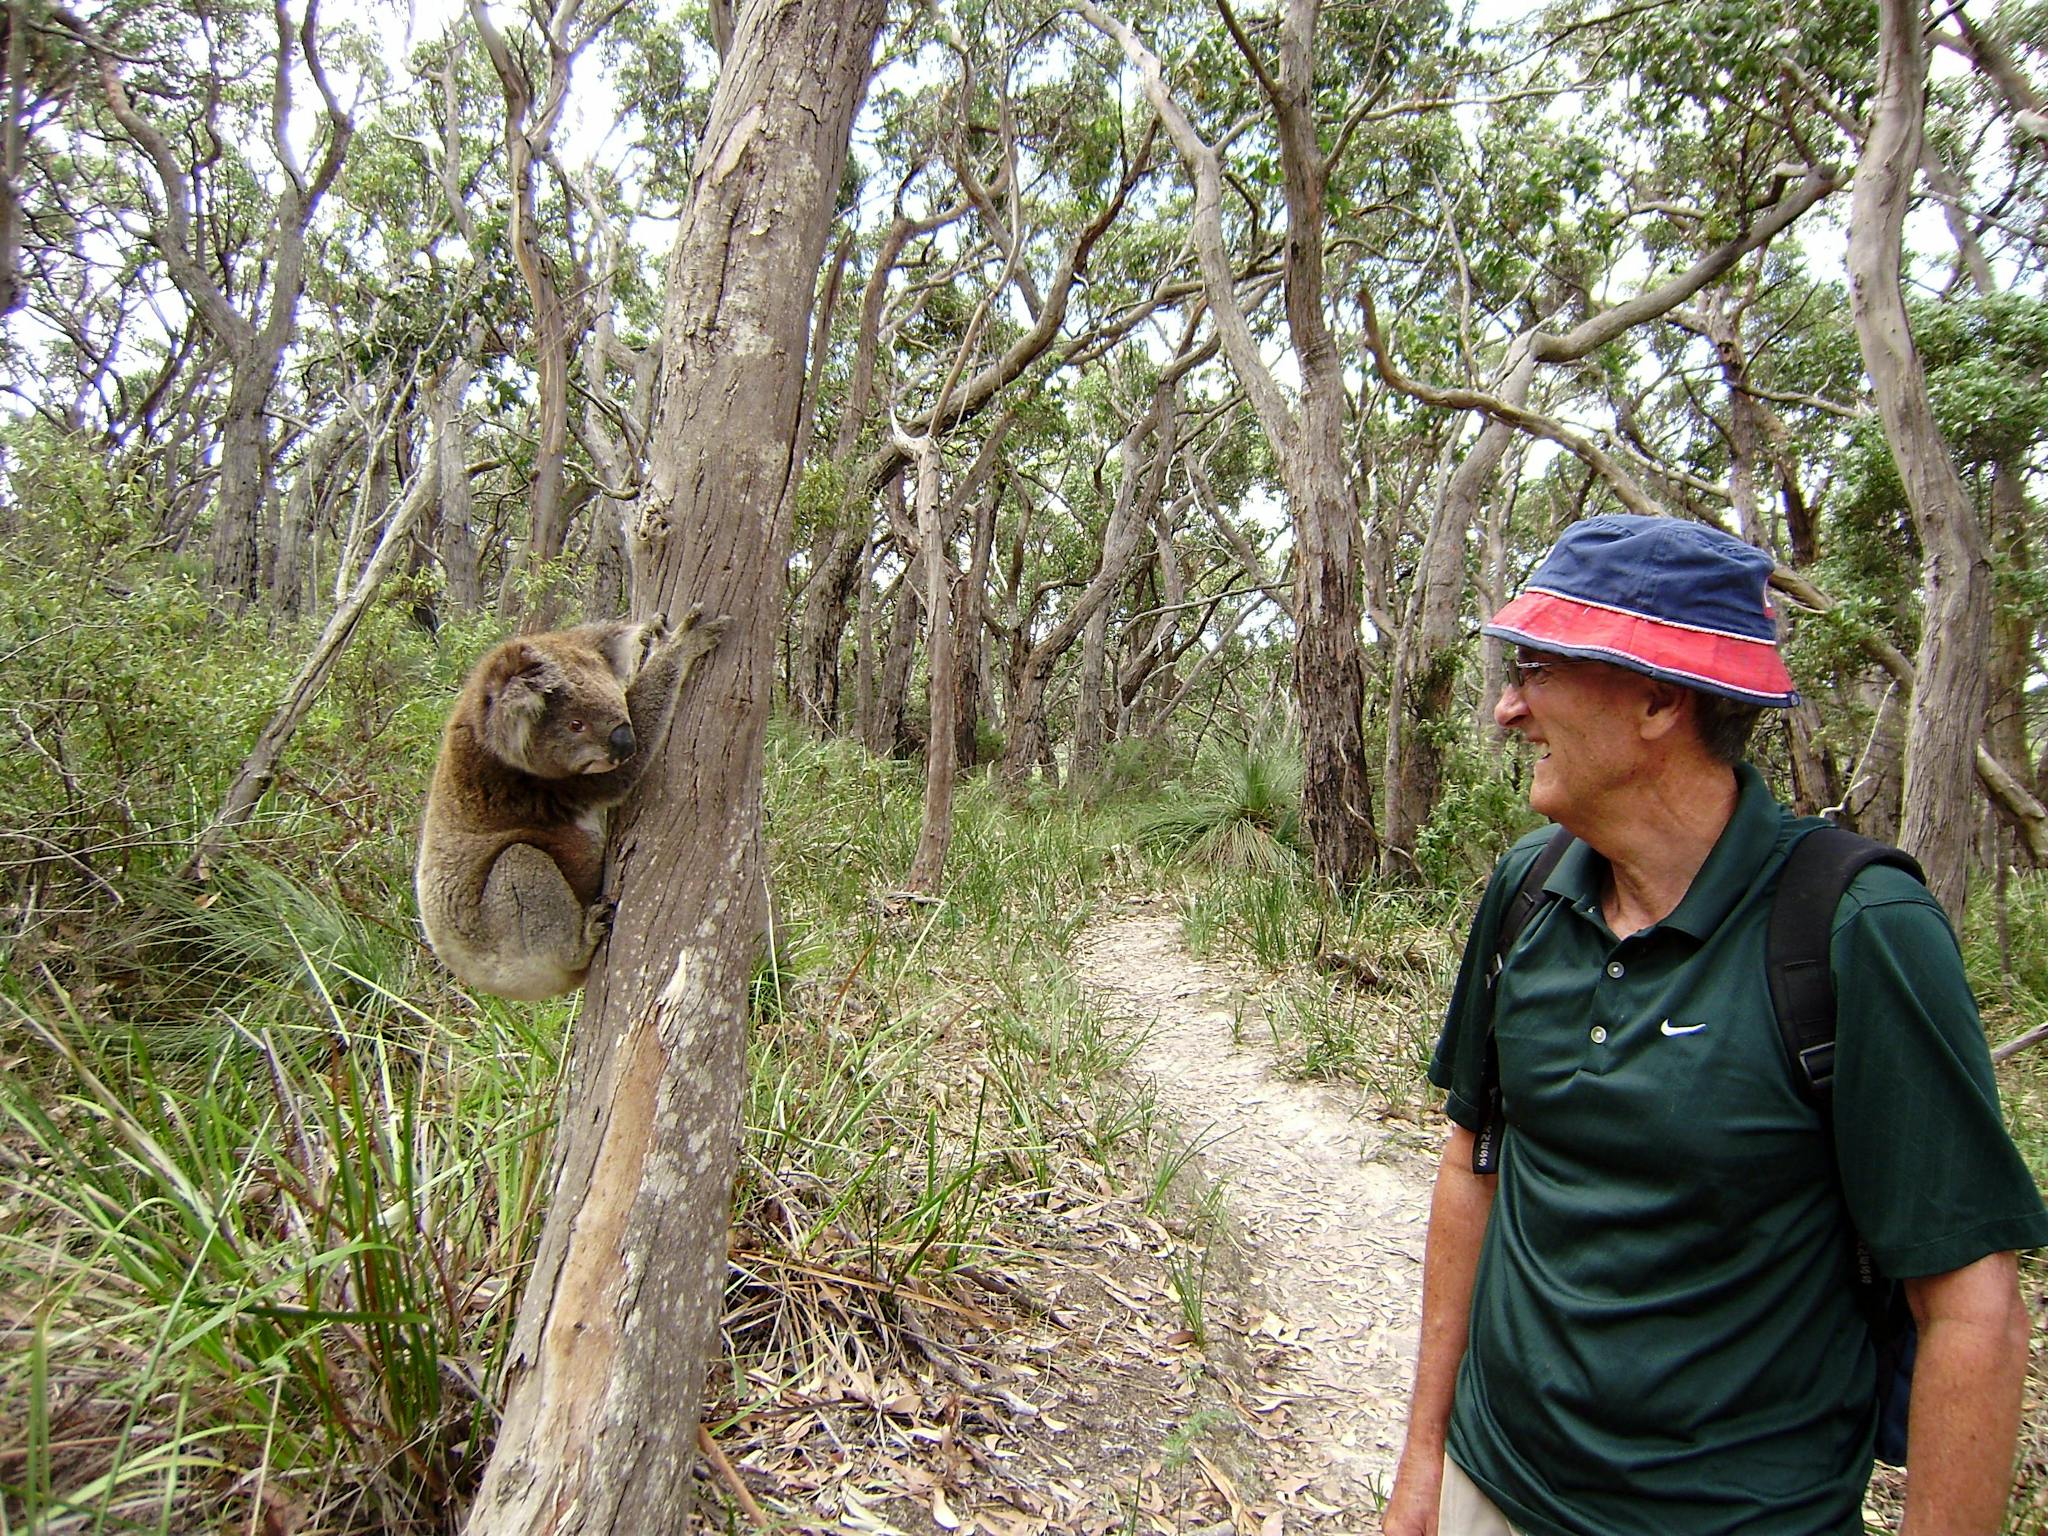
1522	670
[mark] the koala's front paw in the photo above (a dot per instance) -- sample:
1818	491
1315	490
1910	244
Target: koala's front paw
654	634
597	921
695	634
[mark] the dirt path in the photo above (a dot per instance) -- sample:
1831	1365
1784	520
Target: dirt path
1327	1207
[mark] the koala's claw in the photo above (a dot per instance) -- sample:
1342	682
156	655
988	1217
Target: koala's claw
653	635
696	635
597	921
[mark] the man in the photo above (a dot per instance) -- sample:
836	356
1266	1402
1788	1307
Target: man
1646	1322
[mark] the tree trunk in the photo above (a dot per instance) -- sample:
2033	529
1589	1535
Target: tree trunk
969	607
291	575
864	647
1091	701
254	347
559	318
1329	688
942	687
456	540
1161	650
1329	664
1138	491
1816	784
814	692
609	590
1876	795
1947	714
238	500
892	694
1426	651
606	1369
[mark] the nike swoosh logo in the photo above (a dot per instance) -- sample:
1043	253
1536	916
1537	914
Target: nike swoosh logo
1669	1028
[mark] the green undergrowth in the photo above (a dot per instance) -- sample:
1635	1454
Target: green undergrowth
268	1183
2010	978
924	1076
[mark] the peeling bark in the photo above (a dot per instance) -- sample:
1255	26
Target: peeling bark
606	1368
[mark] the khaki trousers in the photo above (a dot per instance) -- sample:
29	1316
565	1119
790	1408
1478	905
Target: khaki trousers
1464	1510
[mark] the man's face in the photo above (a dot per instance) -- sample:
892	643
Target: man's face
1578	715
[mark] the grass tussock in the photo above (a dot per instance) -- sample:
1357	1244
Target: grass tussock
274	1273
1241	815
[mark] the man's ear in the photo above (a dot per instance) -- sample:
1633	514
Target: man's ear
1664	706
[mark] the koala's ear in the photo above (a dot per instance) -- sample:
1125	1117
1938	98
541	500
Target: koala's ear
519	682
623	646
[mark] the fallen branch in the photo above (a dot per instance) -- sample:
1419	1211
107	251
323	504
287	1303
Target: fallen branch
2019	1043
731	1478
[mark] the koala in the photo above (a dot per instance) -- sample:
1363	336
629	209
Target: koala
551	731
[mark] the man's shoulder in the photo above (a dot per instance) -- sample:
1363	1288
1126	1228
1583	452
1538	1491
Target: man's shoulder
1883	882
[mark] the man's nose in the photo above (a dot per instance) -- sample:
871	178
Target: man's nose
1510	708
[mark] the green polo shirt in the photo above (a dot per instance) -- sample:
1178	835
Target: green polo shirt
1664	1331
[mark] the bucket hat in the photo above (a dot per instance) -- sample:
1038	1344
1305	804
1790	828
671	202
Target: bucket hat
1659	595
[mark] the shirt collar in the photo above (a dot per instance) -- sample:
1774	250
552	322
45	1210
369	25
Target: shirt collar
1731	868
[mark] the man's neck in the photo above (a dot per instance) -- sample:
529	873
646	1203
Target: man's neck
1655	842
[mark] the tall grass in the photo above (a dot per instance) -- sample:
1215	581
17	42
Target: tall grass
266	1197
273	1275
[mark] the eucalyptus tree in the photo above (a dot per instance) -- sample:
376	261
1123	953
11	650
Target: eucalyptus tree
927	537
1143	457
1541	219
606	1367
407	285
535	68
1943	737
1006	181
230	179
1292	114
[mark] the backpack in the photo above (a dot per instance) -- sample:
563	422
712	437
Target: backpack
1810	885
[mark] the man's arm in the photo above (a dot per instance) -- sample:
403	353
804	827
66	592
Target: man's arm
1965	1412
1458	1212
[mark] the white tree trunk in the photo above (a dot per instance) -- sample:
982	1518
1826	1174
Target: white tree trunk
1955	629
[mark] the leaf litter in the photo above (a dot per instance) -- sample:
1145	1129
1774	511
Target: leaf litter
1233	1358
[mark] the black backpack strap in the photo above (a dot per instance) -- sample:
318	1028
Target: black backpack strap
1816	874
1529	895
1797	960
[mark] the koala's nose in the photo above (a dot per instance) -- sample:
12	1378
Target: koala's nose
621	743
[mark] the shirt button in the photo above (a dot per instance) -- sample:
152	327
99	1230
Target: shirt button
1599	1034
1615	969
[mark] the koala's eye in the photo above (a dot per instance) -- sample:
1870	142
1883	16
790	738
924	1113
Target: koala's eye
578	727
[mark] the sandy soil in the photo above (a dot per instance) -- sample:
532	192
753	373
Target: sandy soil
1326	1206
